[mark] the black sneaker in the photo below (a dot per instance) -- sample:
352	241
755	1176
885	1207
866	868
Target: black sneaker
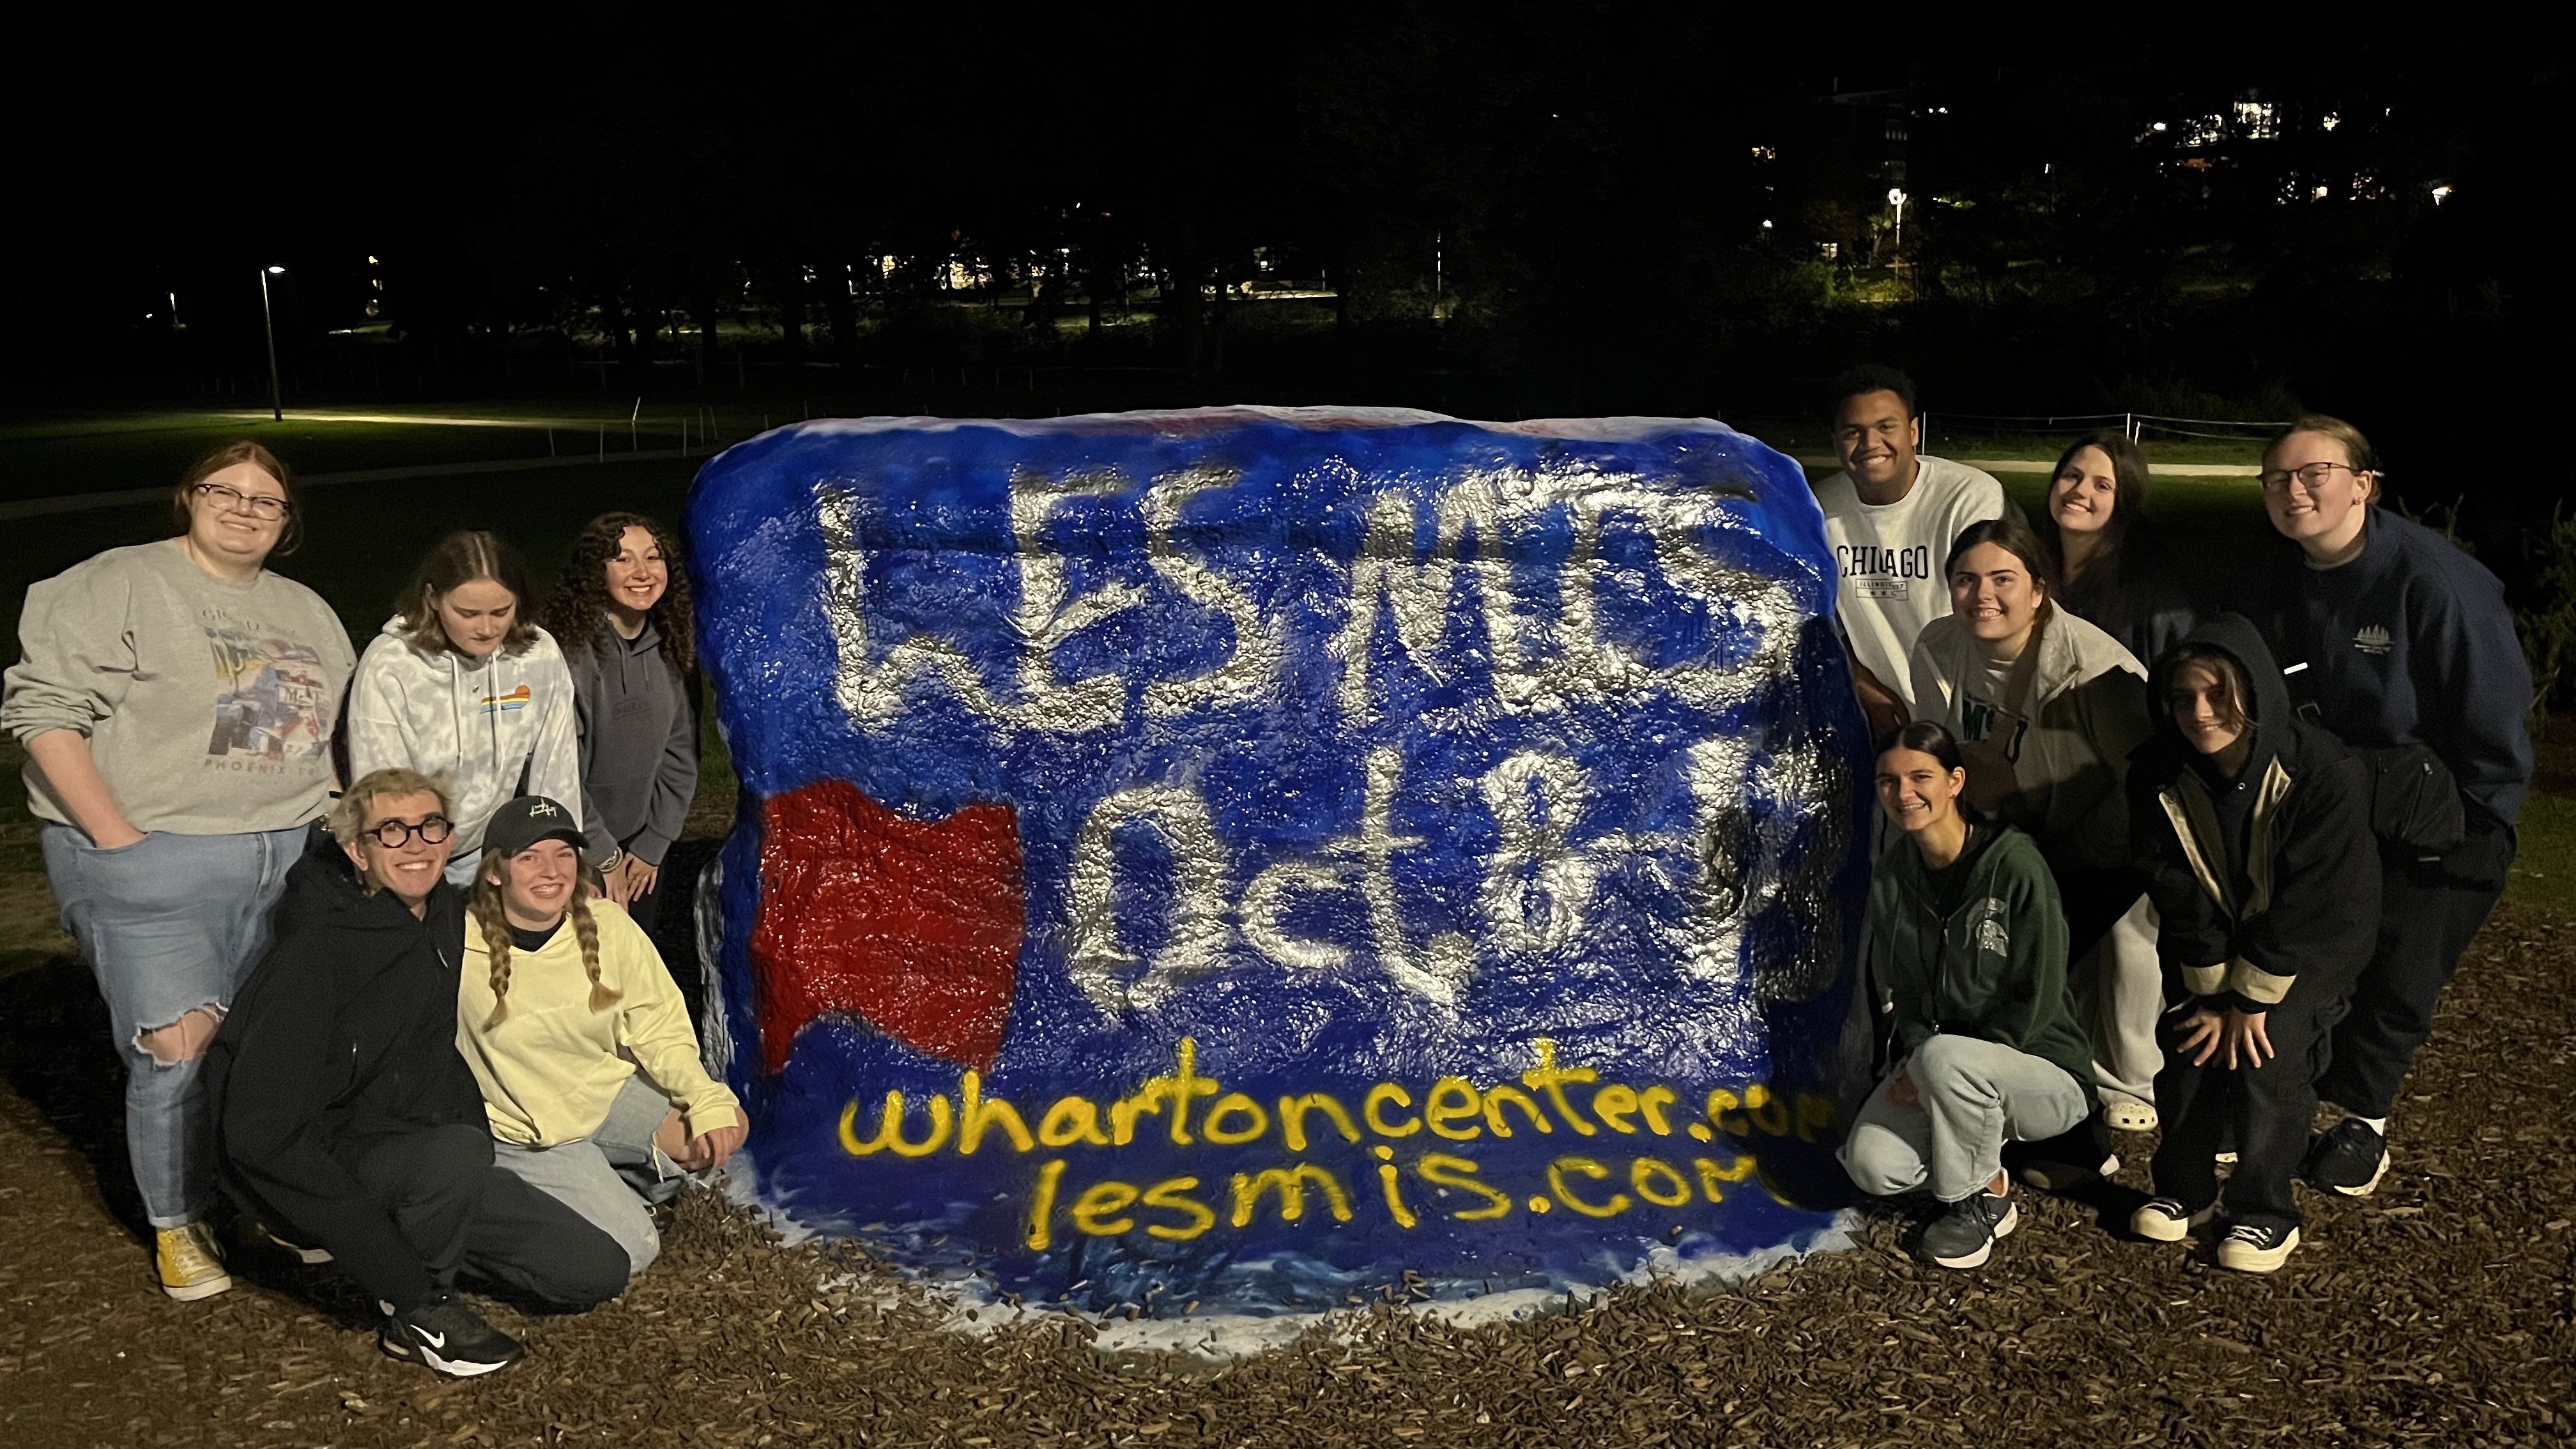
2350	1160
2166	1220
1964	1235
2257	1247
449	1337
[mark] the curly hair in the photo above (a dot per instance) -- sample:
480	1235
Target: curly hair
576	613
486	906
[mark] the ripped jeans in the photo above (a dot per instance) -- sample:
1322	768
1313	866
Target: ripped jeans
169	925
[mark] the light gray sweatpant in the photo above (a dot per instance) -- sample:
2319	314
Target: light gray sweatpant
1971	1097
609	1176
2119	991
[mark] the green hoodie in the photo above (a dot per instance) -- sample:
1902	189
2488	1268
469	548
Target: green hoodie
1995	969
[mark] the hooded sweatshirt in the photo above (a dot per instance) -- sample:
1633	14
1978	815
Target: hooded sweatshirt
2265	879
476	723
2057	724
639	744
1993	968
345	1031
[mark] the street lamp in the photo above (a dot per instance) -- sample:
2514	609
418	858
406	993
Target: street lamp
268	317
1896	198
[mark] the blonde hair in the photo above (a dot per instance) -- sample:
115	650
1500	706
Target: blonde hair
486	906
349	814
2356	448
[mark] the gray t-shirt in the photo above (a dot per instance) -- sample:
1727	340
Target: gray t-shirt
208	703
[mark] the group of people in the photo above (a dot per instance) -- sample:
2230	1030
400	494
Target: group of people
2143	864
415	1026
2151	861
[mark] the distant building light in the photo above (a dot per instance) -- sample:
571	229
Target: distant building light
2316	193
2158	126
2330	120
1830	249
277	271
1766	153
371	261
2441	193
1766	225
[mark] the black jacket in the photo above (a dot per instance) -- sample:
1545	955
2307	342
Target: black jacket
2267	881
345	1032
2411	643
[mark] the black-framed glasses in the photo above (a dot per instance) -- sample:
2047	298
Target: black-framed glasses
2311	476
394	834
233	500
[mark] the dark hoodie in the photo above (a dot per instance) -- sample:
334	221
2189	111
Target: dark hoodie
345	1032
2264	879
1992	967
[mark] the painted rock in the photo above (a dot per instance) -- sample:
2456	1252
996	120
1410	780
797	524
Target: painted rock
1254	855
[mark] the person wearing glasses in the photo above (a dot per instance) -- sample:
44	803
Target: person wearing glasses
2400	644
349	1119
462	684
1890	515
176	702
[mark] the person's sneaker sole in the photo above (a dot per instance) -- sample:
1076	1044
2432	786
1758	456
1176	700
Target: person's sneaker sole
2155	1227
202	1288
309	1257
2003	1229
415	1353
2240	1258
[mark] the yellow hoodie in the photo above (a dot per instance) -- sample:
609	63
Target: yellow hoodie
551	1068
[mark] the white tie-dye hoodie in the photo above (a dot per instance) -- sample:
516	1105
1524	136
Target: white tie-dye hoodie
476	723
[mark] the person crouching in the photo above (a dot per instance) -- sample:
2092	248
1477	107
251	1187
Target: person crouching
2253	826
578	1038
1964	951
348	1119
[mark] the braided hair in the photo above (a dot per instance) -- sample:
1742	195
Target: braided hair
488	914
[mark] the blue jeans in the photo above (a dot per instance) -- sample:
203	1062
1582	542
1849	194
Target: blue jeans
168	924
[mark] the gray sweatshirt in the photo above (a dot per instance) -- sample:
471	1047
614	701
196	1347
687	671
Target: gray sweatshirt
639	744
208	704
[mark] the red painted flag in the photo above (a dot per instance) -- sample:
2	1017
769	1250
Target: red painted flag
912	927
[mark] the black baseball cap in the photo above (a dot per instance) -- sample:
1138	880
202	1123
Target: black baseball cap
523	822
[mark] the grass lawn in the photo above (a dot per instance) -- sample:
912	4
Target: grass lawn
109	453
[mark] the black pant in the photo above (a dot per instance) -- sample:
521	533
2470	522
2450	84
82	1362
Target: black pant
463	1213
2427	916
2265	1109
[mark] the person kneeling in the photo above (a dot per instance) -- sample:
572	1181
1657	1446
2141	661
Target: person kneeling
556	1023
1965	954
348	1117
2253	826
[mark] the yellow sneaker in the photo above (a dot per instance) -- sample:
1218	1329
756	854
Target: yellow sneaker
191	1268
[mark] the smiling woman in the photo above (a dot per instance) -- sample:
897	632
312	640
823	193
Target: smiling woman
462	684
175	794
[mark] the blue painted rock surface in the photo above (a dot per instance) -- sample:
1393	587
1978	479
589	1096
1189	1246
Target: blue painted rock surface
1248	855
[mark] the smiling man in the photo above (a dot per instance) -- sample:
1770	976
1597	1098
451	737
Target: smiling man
349	1120
1891	515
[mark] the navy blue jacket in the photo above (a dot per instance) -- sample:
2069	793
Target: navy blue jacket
2411	643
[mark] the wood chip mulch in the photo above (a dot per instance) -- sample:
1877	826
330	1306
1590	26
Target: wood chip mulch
2438	1312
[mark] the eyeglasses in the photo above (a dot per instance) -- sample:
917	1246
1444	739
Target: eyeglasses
232	500
2311	476
394	834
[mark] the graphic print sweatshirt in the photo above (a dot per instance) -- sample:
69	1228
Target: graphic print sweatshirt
476	722
208	704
